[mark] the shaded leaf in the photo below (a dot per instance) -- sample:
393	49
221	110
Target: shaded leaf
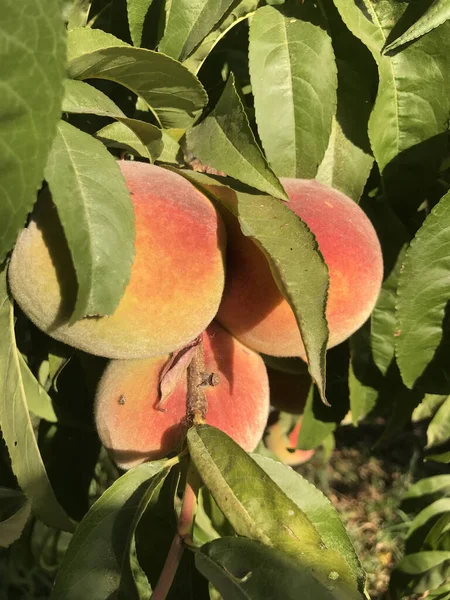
243	569
293	75
97	216
224	140
423	522
423	294
188	23
16	426
14	513
425	491
435	15
137	11
287	242
172	92
32	63
438	430
239	13
420	572
238	485
39	402
97	561
82	98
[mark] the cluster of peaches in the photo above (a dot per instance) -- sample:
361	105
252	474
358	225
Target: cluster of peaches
195	276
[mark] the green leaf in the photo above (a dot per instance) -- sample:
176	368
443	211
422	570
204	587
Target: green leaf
419	572
406	112
287	242
438	538
82	98
440	593
16	426
77	13
315	427
425	491
428	407
39	402
97	561
257	508
435	15
438	431
97	216
32	63
14	513
173	93
294	81
423	294
188	22
365	378
422	524
246	570
137	11
317	508
224	140
239	13
443	457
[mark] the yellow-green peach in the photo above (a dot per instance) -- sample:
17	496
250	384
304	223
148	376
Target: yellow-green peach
134	429
176	279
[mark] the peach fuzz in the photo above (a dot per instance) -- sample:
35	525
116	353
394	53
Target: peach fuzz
254	310
134	430
176	279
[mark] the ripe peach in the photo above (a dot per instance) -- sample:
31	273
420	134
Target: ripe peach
283	444
176	280
133	429
254	310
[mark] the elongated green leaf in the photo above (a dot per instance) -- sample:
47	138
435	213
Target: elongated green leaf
440	593
97	562
423	294
14	513
137	11
287	242
344	167
428	407
293	76
438	430
438	538
39	402
419	572
16	426
314	430
423	522
96	213
246	570
32	62
239	13
224	140
317	508
443	457
239	486
435	15
188	23
406	112
425	491
173	93
82	98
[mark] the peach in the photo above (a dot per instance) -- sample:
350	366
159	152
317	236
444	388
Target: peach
134	430
176	279
283	444
254	310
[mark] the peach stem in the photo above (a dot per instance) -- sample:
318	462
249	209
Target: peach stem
183	535
197	403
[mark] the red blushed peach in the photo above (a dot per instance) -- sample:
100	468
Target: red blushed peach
254	310
283	444
176	279
133	429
